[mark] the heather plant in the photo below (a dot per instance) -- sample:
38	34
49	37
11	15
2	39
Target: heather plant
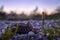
56	34
51	33
16	29
8	33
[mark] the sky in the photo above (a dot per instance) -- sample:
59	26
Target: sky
29	5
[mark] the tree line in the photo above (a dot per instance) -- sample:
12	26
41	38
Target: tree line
33	15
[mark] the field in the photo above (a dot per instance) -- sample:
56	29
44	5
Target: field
50	31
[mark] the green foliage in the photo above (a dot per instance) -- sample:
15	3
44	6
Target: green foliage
55	28
44	31
52	34
16	29
8	33
59	32
50	31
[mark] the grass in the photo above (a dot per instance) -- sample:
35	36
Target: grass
8	33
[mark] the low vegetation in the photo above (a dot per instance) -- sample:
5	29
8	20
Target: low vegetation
8	33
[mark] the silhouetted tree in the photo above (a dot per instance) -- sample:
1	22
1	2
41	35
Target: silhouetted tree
1	8
12	15
34	14
36	9
58	9
56	15
3	15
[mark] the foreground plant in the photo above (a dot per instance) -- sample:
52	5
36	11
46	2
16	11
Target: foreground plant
51	33
8	33
56	32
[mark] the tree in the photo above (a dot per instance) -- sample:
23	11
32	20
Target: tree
2	15
1	8
35	9
58	9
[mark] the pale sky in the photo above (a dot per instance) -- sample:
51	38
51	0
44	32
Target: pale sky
29	5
